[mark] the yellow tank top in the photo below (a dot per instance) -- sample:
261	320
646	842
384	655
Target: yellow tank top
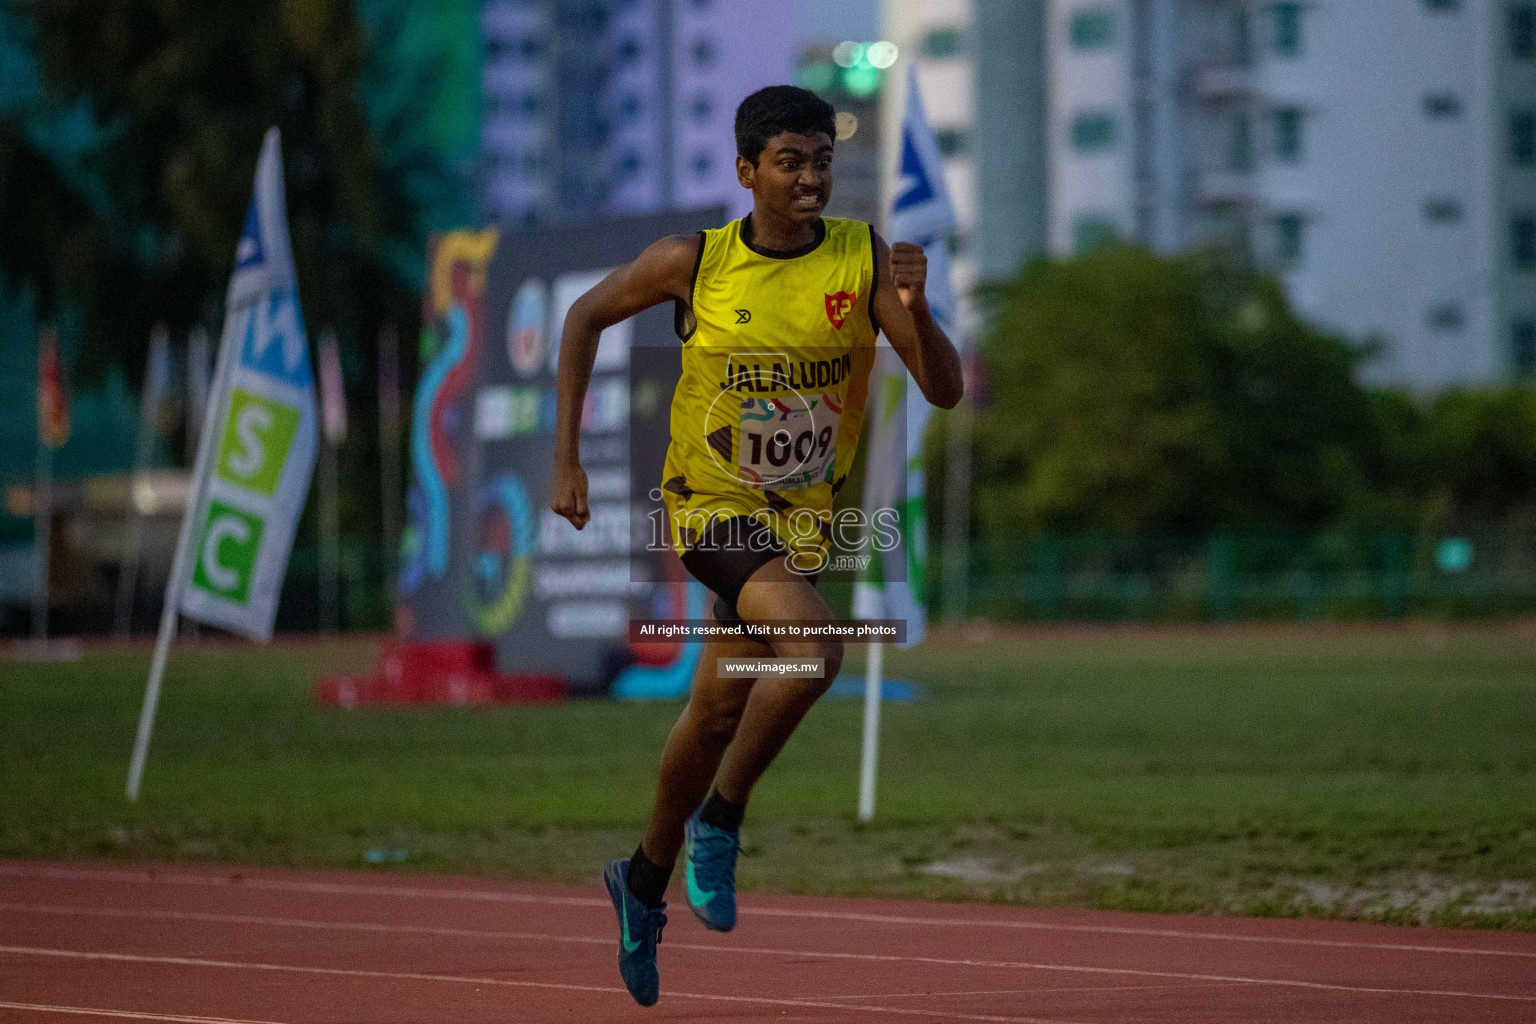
775	372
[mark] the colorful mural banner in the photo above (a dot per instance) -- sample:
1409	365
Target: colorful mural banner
483	557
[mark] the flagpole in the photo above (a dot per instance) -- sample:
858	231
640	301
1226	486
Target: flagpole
957	510
330	540
42	521
389	453
197	386
872	687
149	404
196	409
331	435
218	399
920	213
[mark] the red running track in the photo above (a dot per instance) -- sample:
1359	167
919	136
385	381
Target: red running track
235	946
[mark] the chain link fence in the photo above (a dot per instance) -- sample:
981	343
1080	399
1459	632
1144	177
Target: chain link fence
1231	576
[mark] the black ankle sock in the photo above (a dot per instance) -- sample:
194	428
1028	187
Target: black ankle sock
647	880
721	813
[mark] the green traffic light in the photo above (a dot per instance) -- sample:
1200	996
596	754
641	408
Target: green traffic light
861	81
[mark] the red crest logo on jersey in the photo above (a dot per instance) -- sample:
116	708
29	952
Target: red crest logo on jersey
839	305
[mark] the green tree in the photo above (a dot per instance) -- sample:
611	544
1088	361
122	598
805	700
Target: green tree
182	92
1131	393
52	205
1480	459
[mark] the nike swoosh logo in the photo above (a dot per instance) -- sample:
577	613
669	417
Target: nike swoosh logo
696	895
629	947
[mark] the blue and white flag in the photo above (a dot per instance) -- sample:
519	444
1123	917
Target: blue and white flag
921	214
258	447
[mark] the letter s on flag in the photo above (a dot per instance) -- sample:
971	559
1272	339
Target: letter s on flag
252	421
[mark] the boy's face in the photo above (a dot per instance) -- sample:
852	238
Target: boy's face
792	177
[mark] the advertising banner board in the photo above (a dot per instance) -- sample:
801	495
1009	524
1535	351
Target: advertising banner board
483	557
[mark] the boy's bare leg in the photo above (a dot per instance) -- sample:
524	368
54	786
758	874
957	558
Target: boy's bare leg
776	706
696	745
753	718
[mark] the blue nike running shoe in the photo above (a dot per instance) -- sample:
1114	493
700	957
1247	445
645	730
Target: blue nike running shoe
711	870
639	932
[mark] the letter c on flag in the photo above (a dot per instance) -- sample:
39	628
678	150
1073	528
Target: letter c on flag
219	530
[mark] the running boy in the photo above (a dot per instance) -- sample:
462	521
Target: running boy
778	314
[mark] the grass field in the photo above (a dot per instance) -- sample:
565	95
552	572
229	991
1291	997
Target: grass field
1376	772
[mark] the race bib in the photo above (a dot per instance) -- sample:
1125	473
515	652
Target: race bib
785	444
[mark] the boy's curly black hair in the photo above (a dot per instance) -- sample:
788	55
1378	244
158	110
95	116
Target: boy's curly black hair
780	108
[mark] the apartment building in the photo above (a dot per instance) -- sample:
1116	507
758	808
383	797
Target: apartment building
1379	155
596	107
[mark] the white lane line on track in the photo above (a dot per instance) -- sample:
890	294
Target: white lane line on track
96	1011
359	889
893	958
541	937
185	961
1042	990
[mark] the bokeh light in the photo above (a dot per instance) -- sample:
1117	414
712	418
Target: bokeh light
817	77
847	124
861	80
848	53
882	54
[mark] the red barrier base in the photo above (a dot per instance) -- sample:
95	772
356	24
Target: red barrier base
443	673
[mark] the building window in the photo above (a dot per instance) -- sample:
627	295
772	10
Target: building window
1522	347
530	48
1092	133
700	108
1093	29
942	43
629	165
1287	29
1522	237
1522	31
703	53
1288	135
589	18
1289	239
1240	145
702	5
529	104
1442	105
628	51
1090	232
703	163
1522	136
1242	38
952	141
1447	316
1443	5
1442	210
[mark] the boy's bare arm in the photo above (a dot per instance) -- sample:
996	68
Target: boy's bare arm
664	271
901	308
